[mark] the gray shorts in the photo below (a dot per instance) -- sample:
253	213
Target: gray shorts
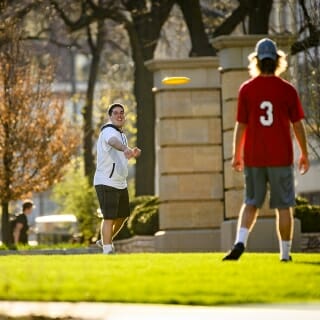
114	203
280	181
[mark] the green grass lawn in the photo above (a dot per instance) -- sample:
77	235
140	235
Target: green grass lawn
190	278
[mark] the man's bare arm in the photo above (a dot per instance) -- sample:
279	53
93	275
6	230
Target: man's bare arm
300	134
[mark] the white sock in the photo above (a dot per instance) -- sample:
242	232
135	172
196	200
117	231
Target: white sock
242	236
285	248
107	248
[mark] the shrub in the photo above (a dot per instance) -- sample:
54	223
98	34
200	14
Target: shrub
309	215
75	195
124	233
144	218
301	201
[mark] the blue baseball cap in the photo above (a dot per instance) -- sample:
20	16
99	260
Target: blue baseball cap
266	48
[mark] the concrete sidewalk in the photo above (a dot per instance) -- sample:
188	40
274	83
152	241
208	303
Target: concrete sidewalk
117	311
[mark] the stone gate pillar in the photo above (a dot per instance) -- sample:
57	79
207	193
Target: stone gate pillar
233	58
189	178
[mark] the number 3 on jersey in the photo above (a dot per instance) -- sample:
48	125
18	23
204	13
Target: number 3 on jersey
267	118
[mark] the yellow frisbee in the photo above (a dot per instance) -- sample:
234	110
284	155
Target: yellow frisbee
175	80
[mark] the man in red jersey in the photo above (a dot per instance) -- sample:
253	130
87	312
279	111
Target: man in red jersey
268	107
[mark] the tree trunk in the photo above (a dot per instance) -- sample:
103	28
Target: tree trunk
5	223
145	165
259	13
199	40
230	23
89	164
8	174
143	40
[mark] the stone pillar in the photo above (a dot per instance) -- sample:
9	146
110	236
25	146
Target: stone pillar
189	155
233	58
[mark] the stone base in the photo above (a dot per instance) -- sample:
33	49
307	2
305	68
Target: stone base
310	242
201	240
263	237
135	244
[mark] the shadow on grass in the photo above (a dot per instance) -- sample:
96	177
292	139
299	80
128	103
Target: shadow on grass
315	263
31	317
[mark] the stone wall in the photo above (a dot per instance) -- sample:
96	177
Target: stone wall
135	244
189	178
200	195
310	242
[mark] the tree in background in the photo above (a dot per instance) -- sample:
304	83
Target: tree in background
142	22
253	16
35	140
307	50
76	195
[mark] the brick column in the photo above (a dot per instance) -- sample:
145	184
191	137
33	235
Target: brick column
189	162
233	58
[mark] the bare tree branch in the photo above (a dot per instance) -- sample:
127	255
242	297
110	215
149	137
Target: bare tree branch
313	40
309	42
232	21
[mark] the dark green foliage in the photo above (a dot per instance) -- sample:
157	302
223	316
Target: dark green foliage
144	218
76	195
124	233
309	215
301	201
144	201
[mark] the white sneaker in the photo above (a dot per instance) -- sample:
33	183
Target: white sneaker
99	243
108	249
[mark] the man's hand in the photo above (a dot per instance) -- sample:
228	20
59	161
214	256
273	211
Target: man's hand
136	152
131	153
303	164
237	164
128	152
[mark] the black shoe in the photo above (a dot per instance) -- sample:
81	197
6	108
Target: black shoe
286	260
235	252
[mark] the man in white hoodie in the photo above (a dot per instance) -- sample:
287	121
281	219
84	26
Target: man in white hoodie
110	179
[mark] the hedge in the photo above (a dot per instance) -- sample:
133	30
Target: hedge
144	217
309	215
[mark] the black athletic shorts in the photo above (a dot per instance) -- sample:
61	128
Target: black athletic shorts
114	203
279	181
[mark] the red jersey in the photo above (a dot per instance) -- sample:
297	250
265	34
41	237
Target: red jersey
268	105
